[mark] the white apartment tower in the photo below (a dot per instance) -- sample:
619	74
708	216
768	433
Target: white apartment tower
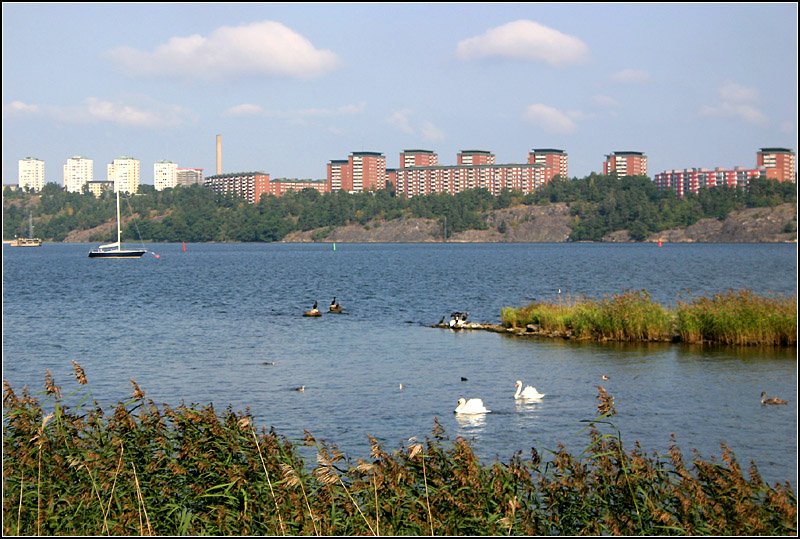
165	175
189	176
125	172
78	172
31	173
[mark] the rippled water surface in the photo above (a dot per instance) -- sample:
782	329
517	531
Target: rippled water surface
223	324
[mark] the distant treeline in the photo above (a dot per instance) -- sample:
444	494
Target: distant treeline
600	203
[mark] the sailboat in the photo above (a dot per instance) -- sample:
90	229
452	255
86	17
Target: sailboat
30	241
115	250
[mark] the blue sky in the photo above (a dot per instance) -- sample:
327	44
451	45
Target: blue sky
292	86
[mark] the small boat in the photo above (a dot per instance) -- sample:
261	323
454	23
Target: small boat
30	241
115	250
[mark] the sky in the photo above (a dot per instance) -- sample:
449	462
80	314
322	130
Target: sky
290	87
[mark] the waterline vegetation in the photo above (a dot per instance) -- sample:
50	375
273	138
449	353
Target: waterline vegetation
731	318
142	469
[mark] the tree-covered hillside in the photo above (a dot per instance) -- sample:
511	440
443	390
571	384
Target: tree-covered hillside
601	204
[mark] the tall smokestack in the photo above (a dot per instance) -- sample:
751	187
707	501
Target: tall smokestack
219	154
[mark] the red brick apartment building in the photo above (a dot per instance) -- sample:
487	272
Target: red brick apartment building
420	174
362	171
778	163
555	161
248	185
251	185
626	164
771	163
691	180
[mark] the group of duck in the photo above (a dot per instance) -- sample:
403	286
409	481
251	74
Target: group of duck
334	307
457	320
476	406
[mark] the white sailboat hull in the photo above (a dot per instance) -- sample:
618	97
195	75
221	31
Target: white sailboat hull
115	250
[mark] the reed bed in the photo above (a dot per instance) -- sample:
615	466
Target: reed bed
141	469
732	317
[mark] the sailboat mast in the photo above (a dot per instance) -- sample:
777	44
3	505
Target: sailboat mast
30	225
119	228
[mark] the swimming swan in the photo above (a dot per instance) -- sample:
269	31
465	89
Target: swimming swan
471	406
527	393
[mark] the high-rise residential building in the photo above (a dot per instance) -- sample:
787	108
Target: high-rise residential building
248	185
420	174
363	171
418	158
165	175
771	163
554	161
78	171
475	157
31	173
369	171
691	180
279	186
189	176
338	174
626	164
778	163
125	172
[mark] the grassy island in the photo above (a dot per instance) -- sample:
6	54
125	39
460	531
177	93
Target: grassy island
143	470
733	317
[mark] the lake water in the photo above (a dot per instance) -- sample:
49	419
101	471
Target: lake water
223	324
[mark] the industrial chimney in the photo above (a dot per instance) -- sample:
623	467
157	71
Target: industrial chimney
219	154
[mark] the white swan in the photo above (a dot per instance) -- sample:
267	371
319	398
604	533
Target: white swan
528	393
471	406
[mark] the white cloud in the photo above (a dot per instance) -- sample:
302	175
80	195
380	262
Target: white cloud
133	116
525	40
245	109
432	133
551	119
18	108
263	48
94	110
736	101
249	109
401	120
605	101
631	76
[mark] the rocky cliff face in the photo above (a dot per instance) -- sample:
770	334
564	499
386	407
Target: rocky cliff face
551	224
752	225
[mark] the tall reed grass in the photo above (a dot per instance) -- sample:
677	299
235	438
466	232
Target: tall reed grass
733	317
140	469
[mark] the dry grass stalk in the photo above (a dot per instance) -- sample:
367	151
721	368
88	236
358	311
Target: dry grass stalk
412	452
19	510
272	492
327	475
293	479
39	439
107	508
142	507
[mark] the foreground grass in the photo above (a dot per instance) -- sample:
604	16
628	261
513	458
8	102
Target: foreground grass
733	317
145	470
